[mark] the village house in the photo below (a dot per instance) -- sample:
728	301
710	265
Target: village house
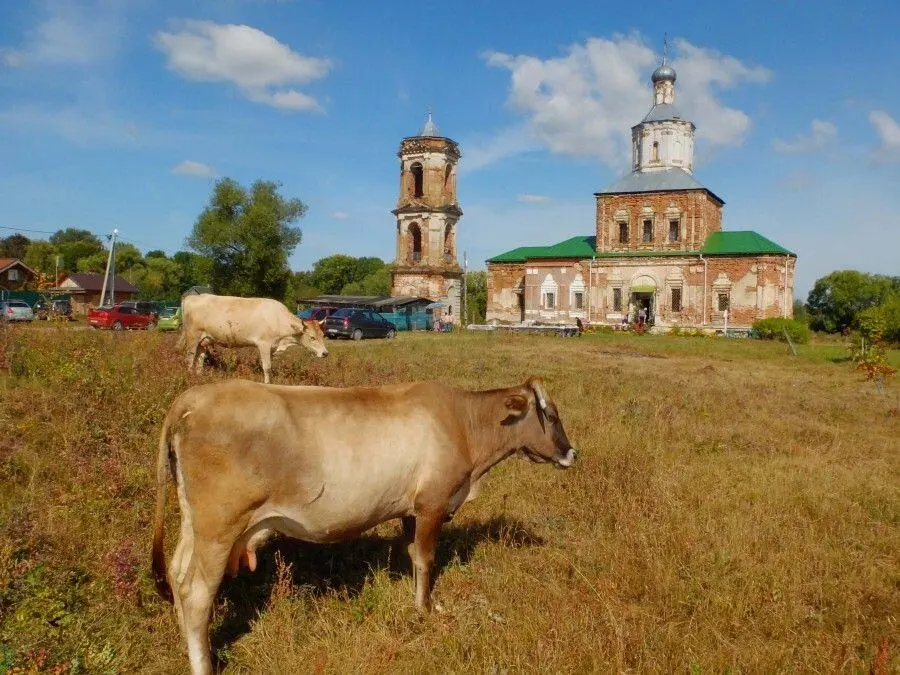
16	275
87	287
658	251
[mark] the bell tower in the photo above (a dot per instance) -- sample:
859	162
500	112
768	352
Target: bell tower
427	213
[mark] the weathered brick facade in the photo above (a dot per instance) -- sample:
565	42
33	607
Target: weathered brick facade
659	251
427	213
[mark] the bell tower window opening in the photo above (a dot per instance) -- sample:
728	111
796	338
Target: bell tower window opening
448	243
648	231
623	233
418	179
415	239
655	156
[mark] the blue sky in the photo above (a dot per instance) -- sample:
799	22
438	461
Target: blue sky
121	113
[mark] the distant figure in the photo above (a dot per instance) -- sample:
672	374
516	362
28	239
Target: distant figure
642	315
580	325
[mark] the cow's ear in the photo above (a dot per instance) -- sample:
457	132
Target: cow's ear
516	406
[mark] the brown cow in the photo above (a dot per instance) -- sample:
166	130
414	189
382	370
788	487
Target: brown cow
323	465
246	322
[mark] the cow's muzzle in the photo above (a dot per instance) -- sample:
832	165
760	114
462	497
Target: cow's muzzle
568	460
323	353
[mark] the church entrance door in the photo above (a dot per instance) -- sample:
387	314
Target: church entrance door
643	308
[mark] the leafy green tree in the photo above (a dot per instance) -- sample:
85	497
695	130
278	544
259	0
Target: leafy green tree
195	269
93	263
885	316
156	253
156	278
837	299
14	246
338	272
800	313
41	256
248	237
476	297
376	283
300	286
73	245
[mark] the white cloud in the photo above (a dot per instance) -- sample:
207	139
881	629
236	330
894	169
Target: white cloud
255	62
484	152
533	199
340	215
821	134
585	103
888	133
191	168
70	33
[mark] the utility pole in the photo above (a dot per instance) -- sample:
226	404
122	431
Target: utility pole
465	302
109	263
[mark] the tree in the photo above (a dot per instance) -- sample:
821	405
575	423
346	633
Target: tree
300	286
41	256
476	297
195	269
837	299
376	283
156	253
156	278
14	246
74	244
247	236
336	272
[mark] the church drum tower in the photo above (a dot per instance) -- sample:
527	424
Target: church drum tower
427	213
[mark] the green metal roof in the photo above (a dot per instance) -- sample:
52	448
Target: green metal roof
576	247
582	247
741	243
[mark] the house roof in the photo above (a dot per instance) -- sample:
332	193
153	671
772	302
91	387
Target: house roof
90	281
9	262
668	180
744	242
661	112
582	247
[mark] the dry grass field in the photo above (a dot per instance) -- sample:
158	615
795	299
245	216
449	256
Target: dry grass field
734	509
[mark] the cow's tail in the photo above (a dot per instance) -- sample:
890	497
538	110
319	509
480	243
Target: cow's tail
160	576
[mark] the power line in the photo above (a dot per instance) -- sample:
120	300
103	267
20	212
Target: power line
25	229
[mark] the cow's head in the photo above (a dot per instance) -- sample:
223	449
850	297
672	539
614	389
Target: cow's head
539	431
313	338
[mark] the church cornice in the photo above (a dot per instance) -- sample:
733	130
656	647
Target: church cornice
418	207
424	144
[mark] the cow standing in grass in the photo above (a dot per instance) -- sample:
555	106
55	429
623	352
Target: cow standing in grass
323	465
245	322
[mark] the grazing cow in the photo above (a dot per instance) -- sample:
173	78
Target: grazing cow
244	322
323	465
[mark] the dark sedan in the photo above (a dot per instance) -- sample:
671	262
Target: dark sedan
357	324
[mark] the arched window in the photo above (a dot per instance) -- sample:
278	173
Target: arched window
415	243
447	187
418	179
655	156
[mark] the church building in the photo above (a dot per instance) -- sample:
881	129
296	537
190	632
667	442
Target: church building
427	212
658	249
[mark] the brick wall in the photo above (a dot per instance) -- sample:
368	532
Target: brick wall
698	213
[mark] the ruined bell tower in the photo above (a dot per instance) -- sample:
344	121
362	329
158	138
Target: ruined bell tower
427	213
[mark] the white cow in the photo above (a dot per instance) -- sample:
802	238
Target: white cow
324	465
244	322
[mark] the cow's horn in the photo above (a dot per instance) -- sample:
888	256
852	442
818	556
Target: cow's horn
538	388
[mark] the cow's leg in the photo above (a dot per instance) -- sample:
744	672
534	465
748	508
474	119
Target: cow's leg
265	358
197	574
428	524
192	346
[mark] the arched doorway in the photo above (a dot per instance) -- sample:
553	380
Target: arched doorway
642	303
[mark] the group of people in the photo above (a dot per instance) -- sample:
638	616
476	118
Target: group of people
443	324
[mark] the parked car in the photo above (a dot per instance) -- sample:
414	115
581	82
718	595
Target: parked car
15	310
118	317
317	313
357	324
143	307
169	318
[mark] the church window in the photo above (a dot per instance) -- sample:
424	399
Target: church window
648	231
549	300
674	230
617	299
676	299
579	300
623	233
415	236
655	156
418	180
723	302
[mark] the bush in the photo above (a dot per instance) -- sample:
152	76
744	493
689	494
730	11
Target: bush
775	329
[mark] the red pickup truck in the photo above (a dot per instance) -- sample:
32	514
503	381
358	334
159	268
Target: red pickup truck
118	318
